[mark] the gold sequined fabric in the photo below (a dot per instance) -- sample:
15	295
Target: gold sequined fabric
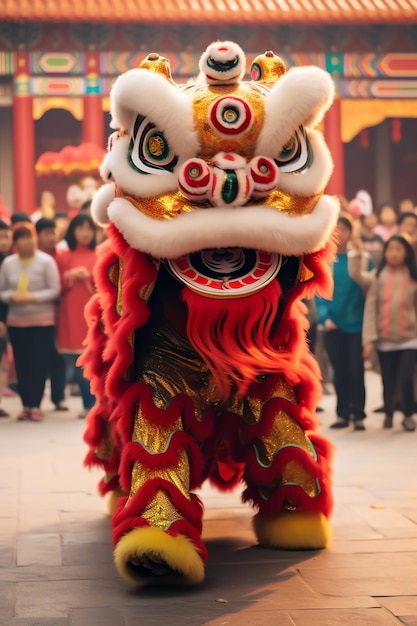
169	206
267	68
171	366
178	476
286	432
158	64
160	511
212	141
155	438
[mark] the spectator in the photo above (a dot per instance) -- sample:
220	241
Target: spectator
76	271
46	206
342	321
62	221
407	225
360	205
372	242
406	205
5	248
76	196
387	226
45	228
390	322
19	217
29	284
5	240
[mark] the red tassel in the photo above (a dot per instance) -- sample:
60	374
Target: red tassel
396	135
364	139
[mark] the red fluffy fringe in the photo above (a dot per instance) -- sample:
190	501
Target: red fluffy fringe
228	341
227	335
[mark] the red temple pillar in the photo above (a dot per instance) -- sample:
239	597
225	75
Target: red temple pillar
23	137
333	136
93	120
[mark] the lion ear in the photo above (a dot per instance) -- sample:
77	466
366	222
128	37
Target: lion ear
145	94
300	98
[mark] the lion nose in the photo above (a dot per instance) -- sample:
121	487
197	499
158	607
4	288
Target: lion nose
231	183
228	180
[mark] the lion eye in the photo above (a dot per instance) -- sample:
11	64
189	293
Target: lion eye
149	150
290	146
295	155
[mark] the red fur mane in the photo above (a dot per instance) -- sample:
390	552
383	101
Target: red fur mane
233	336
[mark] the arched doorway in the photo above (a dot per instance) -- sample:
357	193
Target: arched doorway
56	129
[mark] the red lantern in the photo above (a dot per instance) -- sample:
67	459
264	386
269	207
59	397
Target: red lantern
364	138
396	130
81	160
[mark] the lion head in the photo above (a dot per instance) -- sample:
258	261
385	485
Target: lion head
222	179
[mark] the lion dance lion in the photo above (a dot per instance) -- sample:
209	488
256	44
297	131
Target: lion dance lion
218	228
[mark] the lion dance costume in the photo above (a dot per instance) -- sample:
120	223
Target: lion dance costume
197	354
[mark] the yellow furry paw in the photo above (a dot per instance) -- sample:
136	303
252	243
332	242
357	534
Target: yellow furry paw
112	500
149	556
293	531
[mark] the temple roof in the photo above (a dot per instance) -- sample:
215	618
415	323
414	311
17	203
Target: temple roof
212	11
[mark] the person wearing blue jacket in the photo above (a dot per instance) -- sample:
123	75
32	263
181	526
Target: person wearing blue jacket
342	319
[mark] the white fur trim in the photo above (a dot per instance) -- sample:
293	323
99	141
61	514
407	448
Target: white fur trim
313	179
106	167
141	92
259	227
299	98
100	203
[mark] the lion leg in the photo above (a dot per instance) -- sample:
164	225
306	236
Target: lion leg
157	528
287	477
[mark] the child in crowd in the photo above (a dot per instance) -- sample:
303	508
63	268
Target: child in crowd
46	206
390	322
5	249
387	226
76	270
372	242
406	205
29	284
45	228
61	226
407	225
342	321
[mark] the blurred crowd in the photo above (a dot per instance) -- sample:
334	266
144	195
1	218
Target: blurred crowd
371	320
46	279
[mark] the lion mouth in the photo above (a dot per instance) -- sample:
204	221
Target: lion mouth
226	272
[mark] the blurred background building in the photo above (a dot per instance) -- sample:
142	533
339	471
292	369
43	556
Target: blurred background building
59	58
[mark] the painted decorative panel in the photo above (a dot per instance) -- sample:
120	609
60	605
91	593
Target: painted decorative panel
6	63
57	63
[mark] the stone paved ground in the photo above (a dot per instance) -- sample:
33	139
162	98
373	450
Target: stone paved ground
56	557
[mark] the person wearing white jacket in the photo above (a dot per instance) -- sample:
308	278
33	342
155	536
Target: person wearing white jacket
30	285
